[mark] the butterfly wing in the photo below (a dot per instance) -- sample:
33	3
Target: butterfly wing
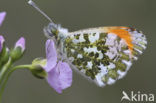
104	54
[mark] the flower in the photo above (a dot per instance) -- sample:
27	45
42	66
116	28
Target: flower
18	50
1	42
59	73
20	43
2	17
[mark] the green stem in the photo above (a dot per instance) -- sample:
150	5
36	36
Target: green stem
4	70
8	75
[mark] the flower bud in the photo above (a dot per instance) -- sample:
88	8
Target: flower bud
1	42
18	50
4	56
4	51
2	17
20	43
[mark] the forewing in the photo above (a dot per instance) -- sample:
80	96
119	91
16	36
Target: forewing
104	54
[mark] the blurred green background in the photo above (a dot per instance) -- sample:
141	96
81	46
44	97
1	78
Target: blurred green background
23	20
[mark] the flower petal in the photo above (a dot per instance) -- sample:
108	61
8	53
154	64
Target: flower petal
60	77
2	17
51	55
65	76
53	79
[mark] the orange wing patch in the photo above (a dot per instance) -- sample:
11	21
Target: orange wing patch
124	35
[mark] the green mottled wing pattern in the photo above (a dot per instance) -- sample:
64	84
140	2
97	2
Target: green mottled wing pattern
102	56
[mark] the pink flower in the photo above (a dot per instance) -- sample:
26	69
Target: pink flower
59	73
2	17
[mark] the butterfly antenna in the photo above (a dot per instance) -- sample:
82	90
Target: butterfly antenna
30	2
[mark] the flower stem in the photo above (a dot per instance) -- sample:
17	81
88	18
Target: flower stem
8	75
4	70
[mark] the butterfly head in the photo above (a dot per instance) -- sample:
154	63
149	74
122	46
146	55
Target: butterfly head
51	30
55	31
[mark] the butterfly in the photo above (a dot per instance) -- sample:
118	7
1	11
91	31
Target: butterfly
102	55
